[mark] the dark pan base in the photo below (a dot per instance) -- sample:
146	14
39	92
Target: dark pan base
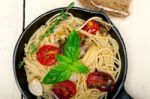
20	74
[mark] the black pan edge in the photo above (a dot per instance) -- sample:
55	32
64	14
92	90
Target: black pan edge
85	10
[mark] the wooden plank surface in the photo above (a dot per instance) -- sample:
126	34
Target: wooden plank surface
135	31
10	23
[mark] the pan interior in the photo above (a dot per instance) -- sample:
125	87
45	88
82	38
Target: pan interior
20	74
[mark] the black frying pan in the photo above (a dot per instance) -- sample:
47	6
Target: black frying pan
20	75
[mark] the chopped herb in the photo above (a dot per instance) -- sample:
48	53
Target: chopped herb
33	48
71	5
21	64
63	16
67	63
51	28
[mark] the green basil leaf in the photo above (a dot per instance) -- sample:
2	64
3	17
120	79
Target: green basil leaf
62	58
57	74
80	68
71	48
65	75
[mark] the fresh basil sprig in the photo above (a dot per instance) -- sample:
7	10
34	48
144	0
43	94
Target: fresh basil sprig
68	63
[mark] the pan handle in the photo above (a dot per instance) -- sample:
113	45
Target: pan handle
123	94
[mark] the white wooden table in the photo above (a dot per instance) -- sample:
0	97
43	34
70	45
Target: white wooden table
135	31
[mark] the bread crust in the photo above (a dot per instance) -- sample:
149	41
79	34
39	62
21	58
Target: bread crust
115	8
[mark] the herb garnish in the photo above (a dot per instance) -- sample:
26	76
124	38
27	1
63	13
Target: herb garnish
33	48
21	64
63	15
68	63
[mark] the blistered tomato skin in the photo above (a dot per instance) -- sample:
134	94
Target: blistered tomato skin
100	80
46	55
91	27
65	89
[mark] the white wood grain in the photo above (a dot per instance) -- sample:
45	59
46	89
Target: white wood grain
10	19
134	30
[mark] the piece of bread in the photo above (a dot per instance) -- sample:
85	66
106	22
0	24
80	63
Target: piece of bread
116	8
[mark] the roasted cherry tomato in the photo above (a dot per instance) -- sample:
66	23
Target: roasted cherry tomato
91	27
46	54
65	89
100	80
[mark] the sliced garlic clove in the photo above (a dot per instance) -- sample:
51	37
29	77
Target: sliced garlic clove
74	77
35	87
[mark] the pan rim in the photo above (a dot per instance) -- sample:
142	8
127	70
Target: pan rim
74	8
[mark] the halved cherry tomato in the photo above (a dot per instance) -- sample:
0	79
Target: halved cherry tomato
65	89
46	54
100	80
91	27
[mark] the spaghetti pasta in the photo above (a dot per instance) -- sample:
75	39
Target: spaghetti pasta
100	52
